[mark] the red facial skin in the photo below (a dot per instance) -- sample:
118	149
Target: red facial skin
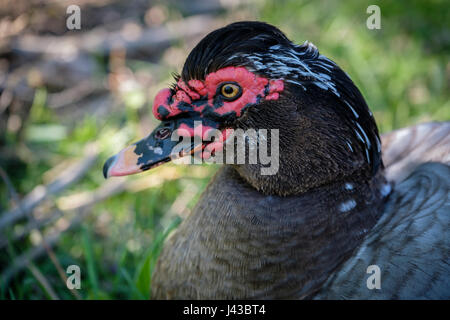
169	103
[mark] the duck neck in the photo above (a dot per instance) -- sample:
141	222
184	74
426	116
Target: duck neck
245	244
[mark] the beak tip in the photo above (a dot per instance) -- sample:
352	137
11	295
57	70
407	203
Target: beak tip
107	165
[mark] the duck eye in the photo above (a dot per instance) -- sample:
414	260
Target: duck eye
230	91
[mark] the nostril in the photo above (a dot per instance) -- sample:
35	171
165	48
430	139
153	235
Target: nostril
162	133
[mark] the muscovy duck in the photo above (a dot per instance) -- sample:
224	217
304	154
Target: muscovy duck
314	228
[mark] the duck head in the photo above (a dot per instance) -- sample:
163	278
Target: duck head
249	75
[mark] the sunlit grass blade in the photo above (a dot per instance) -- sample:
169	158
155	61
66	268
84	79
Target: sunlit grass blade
91	268
144	273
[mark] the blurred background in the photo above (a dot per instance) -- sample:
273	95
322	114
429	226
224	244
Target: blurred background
69	99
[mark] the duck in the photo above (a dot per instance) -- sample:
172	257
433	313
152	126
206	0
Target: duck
346	215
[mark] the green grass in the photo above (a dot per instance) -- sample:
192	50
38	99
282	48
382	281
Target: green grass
402	70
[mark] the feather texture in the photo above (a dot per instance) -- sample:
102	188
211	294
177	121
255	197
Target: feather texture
410	244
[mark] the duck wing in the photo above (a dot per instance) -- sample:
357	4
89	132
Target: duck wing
410	244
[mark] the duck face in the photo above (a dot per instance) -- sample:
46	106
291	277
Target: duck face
199	104
250	66
195	108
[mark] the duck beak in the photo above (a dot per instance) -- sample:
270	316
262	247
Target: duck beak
149	152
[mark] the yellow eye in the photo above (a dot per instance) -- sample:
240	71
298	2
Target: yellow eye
230	91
